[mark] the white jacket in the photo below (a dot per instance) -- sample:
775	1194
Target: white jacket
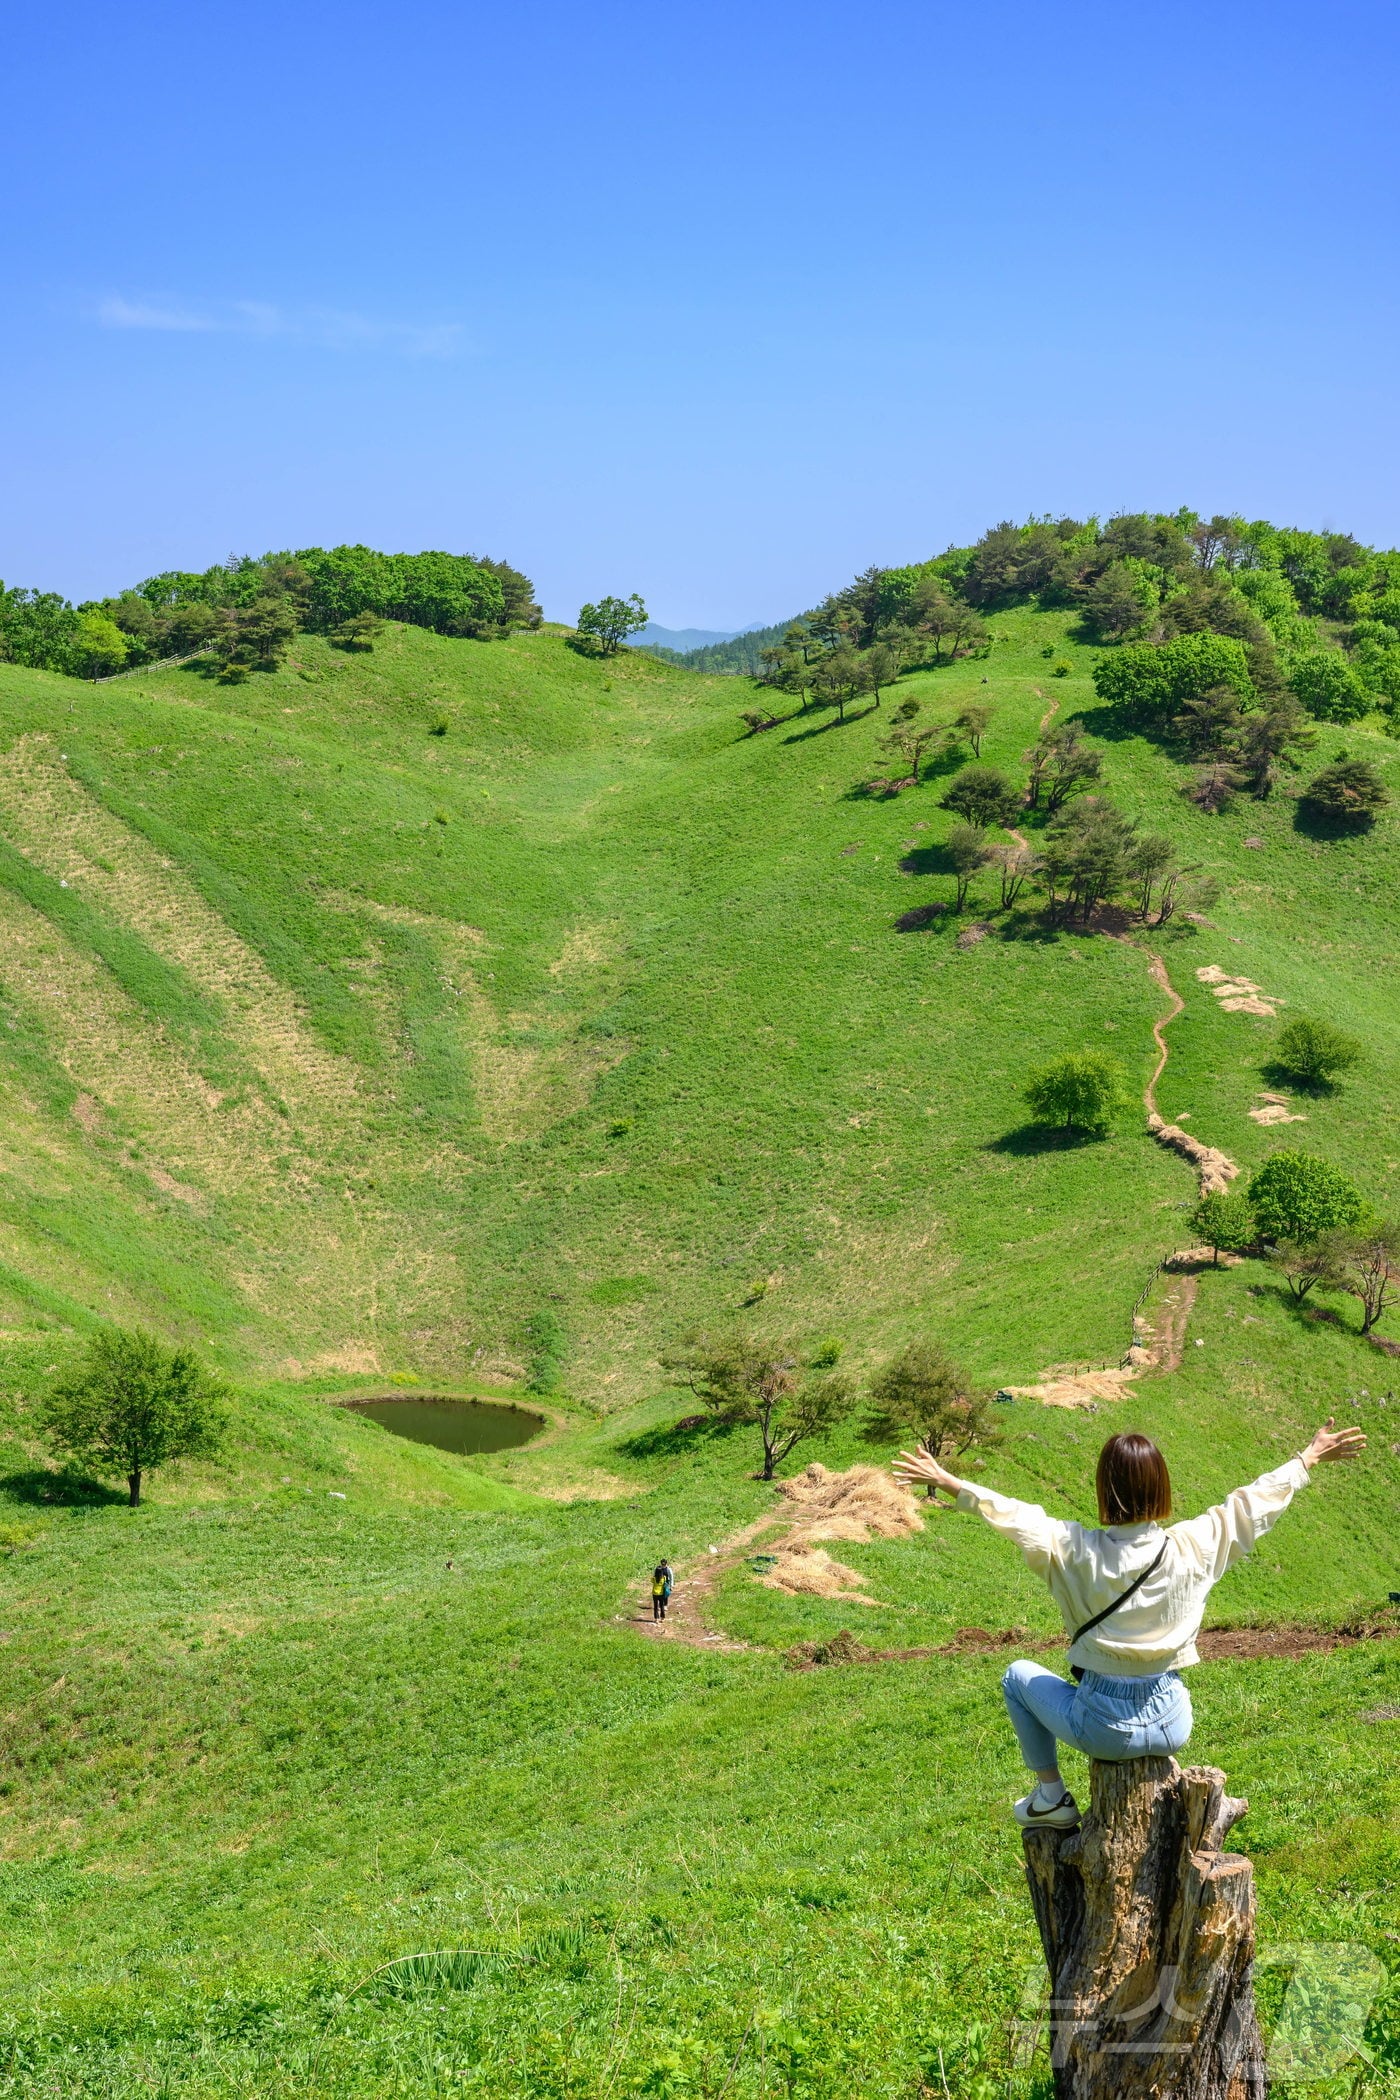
1156	1629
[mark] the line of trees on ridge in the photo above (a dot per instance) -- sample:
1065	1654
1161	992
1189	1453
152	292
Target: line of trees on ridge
243	613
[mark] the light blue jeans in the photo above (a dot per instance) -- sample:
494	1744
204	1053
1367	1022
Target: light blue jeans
1108	1717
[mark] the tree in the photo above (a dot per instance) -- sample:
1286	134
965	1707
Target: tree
1016	863
884	663
607	624
756	718
1266	740
974	722
1303	1264
744	1382
1349	792
982	795
132	1404
1211	722
254	637
1225	1222
933	612
1367	1266
1080	1091
907	740
1089	855
1148	684
1296	1196
1061	764
99	646
967	851
1329	687
839	677
1315	1051
1153	860
359	633
922	1394
1120	600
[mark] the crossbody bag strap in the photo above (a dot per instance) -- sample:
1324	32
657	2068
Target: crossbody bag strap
1133	1587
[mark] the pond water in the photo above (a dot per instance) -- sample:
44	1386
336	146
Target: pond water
452	1425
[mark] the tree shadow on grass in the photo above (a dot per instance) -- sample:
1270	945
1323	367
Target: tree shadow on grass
1034	1138
1315	1089
61	1490
802	736
1327	829
674	1439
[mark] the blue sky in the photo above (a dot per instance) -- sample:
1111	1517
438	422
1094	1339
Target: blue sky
716	303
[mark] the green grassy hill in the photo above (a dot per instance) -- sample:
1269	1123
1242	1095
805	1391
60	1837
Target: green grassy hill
358	1015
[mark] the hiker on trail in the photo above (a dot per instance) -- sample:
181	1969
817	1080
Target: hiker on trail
1131	1595
662	1582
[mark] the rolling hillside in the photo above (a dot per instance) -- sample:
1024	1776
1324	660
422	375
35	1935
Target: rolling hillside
359	1015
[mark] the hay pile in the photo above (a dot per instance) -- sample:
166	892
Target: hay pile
803	1570
862	1503
858	1505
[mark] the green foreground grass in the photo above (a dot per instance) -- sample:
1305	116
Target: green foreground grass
347	1093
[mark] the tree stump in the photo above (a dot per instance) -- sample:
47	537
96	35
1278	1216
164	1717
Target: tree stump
1148	1931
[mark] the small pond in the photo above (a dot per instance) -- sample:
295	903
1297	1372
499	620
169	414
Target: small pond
452	1425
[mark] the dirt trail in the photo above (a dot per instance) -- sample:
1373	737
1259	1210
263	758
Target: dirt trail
1049	715
1215	1169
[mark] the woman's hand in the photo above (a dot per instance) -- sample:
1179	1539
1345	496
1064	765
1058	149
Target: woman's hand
1332	1443
919	1467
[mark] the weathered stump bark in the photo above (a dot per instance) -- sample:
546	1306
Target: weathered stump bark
1148	1930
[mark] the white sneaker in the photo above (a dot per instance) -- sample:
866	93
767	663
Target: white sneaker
1035	1812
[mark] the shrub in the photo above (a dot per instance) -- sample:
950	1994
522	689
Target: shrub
1080	1091
1296	1196
1315	1051
1148	683
1349	792
1329	687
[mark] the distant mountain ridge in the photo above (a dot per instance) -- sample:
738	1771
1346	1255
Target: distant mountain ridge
680	640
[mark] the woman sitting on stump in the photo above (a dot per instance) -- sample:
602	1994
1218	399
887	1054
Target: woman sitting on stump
1131	1595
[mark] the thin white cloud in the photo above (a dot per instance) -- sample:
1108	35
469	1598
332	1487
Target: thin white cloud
323	328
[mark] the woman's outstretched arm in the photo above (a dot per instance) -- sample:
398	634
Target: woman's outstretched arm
1042	1539
1226	1533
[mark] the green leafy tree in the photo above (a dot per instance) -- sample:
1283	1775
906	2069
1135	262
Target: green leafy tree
607	624
922	1395
99	646
982	795
967	851
133	1404
1082	1090
906	741
747	1383
1314	1051
1330	688
1296	1196
1305	1264
1148	684
1225	1222
1212	722
1349	792
946	621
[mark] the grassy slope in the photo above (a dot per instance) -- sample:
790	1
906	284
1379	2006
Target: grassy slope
260	1739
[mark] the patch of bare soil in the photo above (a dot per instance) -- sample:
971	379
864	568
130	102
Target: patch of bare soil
1239	995
1216	1644
1168	1331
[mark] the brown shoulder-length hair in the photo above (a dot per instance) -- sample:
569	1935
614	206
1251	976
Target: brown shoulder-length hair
1133	1483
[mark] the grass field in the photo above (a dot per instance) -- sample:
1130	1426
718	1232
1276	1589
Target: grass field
343	1048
